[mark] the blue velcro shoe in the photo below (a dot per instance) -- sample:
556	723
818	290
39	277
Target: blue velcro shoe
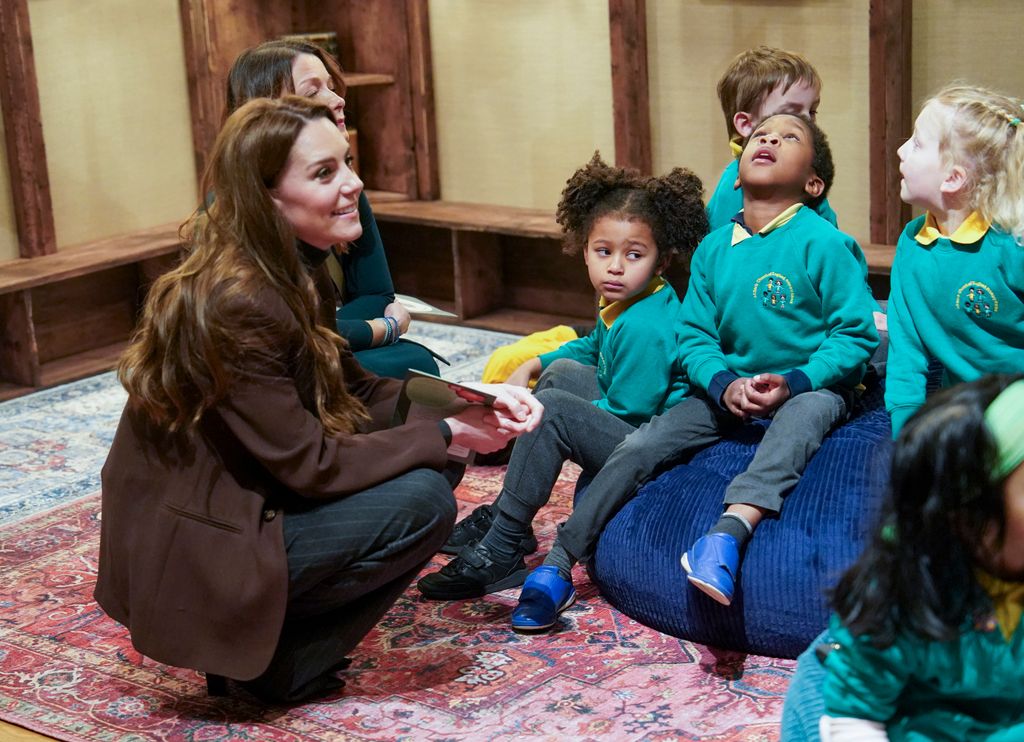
711	565
545	595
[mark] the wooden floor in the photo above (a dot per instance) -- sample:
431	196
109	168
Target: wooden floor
11	733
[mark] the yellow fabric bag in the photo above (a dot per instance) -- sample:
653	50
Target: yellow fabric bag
508	358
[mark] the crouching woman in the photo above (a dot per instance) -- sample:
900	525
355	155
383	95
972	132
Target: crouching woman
260	513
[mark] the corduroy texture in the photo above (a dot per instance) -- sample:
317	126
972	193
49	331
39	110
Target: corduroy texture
790	561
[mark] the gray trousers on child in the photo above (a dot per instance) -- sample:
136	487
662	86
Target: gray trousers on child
624	457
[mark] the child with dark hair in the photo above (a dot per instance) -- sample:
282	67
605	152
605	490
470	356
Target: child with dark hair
628	227
760	82
927	642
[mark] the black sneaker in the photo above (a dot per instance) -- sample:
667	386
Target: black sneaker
475	526
472	574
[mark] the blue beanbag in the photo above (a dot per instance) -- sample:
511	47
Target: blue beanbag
780	604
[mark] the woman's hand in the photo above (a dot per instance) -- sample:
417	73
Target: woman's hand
517	410
478	428
396	310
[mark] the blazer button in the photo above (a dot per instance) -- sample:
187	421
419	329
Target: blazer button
269	515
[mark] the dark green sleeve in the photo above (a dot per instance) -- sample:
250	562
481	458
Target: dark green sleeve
368	287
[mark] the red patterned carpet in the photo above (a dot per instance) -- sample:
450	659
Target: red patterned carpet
430	671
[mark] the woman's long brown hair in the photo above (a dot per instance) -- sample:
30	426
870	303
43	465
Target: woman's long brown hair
195	332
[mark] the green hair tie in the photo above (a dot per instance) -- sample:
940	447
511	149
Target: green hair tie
1015	121
1005	418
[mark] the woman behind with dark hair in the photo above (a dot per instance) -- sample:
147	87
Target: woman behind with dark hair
368	317
927	642
259	514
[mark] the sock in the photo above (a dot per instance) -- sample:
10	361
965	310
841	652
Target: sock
504	537
563	560
735	525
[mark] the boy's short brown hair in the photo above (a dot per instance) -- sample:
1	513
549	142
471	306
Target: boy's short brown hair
755	73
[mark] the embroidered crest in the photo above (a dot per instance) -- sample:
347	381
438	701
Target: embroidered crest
774	291
977	299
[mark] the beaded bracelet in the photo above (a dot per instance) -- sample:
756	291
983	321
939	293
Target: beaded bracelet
387	332
395	331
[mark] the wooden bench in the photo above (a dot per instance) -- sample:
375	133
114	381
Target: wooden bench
70	314
497	267
501	267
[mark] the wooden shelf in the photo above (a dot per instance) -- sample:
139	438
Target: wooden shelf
366	79
80	365
69	314
498	267
523	321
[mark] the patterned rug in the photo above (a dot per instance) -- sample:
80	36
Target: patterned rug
429	671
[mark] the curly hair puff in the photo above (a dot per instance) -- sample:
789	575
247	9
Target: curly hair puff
671	205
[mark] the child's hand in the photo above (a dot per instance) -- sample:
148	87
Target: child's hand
527	371
765	393
735	398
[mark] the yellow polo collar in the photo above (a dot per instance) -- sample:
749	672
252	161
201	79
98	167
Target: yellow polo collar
610	312
1007	600
740	233
973	229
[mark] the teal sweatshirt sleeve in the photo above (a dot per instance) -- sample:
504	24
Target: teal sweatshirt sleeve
583	350
862	681
907	363
700	346
847	307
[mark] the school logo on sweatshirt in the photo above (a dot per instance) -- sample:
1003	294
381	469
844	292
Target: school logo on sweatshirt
977	300
774	291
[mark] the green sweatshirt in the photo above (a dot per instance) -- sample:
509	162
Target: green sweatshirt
634	348
958	299
727	200
791	300
964	690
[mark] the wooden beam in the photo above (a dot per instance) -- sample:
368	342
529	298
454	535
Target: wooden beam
23	132
428	179
215	32
630	92
890	113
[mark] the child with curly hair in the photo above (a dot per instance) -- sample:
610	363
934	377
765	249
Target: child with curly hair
628	227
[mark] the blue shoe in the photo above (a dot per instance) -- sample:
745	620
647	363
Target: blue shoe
545	595
711	565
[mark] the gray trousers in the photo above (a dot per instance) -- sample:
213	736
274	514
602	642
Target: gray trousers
624	457
792	438
349	560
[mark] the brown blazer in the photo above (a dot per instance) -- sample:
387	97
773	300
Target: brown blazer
192	556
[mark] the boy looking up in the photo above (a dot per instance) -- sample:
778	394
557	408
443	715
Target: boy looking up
758	83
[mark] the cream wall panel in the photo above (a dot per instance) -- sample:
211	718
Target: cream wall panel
523	96
8	224
115	113
976	42
691	42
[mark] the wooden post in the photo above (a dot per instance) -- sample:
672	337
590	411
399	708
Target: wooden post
428	179
23	129
890	115
630	92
